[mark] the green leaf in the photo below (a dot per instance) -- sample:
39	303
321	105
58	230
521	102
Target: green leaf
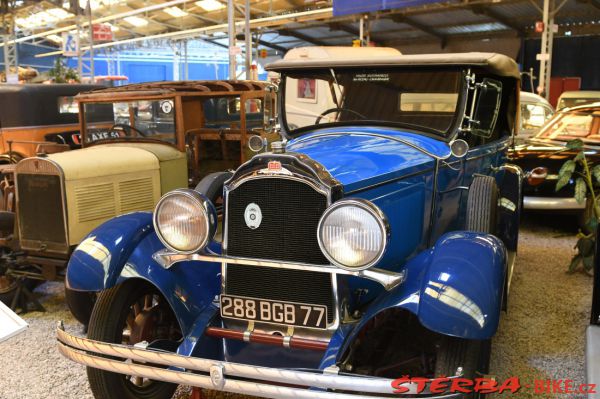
591	224
574	263
562	181
576	144
580	156
585	246
568	167
588	262
580	190
596	172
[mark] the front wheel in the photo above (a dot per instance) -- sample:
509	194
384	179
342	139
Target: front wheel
466	357
81	304
129	313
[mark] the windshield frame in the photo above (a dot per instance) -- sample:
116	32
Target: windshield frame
136	139
447	136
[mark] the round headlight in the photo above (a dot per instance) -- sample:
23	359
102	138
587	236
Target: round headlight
185	220
353	234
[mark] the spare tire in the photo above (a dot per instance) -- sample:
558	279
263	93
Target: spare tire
482	204
211	186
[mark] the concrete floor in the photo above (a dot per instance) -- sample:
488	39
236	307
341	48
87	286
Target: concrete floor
541	336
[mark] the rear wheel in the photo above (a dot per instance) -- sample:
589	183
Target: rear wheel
127	314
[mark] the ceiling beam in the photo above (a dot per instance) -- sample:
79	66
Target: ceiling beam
488	12
301	36
595	3
337	26
400	18
242	37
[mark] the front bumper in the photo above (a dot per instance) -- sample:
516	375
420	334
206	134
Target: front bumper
230	377
552	203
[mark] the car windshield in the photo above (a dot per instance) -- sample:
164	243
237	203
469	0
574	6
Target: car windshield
566	126
421	100
576	101
141	119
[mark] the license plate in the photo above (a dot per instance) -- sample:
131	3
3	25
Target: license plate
275	312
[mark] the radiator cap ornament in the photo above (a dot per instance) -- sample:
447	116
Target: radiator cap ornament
253	216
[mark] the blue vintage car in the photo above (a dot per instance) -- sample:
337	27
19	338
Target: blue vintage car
375	241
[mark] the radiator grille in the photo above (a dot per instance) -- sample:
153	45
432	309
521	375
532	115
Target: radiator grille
282	285
40	210
136	195
95	202
290	210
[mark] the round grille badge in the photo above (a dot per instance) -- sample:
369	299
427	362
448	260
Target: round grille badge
253	216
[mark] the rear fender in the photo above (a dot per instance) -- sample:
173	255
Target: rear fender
454	288
122	249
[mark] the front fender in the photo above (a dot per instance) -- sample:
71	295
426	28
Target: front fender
122	249
454	288
98	260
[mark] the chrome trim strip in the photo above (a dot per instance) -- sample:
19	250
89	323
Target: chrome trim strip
266	381
381	136
552	203
386	278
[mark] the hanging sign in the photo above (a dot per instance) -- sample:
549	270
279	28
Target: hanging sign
346	7
102	33
70	44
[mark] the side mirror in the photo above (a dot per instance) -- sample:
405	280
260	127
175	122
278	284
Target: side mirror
487	99
459	148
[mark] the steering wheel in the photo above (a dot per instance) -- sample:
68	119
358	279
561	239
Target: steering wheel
338	109
128	129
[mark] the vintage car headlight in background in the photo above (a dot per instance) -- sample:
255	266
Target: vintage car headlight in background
353	234
185	221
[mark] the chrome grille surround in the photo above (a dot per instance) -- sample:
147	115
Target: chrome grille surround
44	167
317	179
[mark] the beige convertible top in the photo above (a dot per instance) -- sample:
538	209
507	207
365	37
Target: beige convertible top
356	57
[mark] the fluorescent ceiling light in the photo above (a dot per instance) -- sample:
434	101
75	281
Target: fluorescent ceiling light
59	13
175	12
136	21
210	5
96	4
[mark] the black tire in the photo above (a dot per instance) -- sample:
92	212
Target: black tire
482	204
107	322
212	185
81	304
472	356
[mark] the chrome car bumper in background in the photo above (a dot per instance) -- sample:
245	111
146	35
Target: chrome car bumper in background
225	376
592	358
551	203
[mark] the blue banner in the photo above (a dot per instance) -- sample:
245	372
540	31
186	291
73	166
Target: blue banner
345	7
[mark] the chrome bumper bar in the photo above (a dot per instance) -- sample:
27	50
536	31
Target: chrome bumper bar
387	279
552	203
225	376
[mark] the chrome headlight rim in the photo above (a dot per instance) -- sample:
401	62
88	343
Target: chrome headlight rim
379	217
205	206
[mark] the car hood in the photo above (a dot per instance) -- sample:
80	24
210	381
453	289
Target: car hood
103	160
360	157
